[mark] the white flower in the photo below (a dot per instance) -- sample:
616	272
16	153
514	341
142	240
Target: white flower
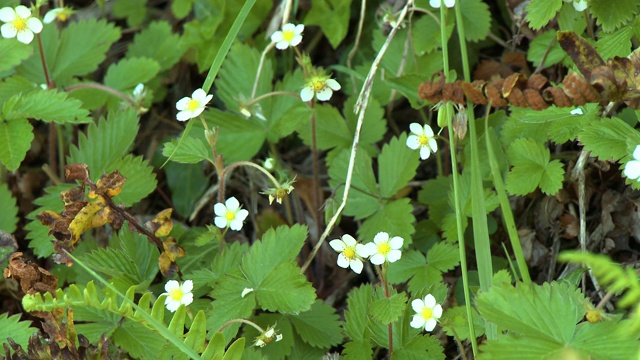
576	111
230	214
19	23
61	14
320	86
632	169
427	313
579	5
267	337
422	137
447	3
351	253
191	107
382	249
245	292
291	35
178	294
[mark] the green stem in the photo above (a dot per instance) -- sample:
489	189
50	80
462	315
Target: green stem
242	321
260	65
248	163
104	88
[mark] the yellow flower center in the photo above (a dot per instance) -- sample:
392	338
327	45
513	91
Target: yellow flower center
230	215
349	253
317	85
384	248
63	16
19	23
193	104
288	35
424	140
427	313
176	294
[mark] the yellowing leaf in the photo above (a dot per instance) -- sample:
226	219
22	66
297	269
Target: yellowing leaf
94	214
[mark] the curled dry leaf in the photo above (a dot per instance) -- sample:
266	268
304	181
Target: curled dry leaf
32	278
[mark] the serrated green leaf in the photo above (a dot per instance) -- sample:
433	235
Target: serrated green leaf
612	17
443	256
118	267
158	42
318	327
388	310
435	194
540	12
476	18
134	11
13	53
362	201
141	180
454	322
607	339
187	183
298	297
40	240
617	43
422	347
525	348
531	168
12	327
607	139
356	316
357	350
16	137
127	73
9	214
191	150
571	20
333	18
105	143
408	265
331	129
228	303
395	218
46	105
181	8
138	341
430	37
14	85
552	177
425	281
545	46
144	254
398	164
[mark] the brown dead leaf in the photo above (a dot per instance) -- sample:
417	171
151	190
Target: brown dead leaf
32	278
161	225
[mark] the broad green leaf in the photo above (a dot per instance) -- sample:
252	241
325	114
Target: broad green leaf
552	177
426	34
435	194
426	281
362	201
558	123
191	150
187	183
239	140
545	46
288	113
607	139
319	326
144	254
531	168
374	125
40	240
422	347
408	85
443	256
612	17
15	137
540	12
46	105
476	18
228	303
116	265
526	348
141	180
388	310
14	85
397	166
134	11
138	341
617	43
357	350
13	53
454	322
356	316
158	42
408	265
609	339
395	218
333	18
299	294
128	73
570	19
331	129
12	327
181	8
8	216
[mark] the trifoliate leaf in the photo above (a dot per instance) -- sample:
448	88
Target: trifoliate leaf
141	180
408	265
356	316
12	327
229	304
8	216
560	125
443	256
476	18
319	326
612	17
362	201
607	138
191	151
298	297
128	73
531	168
540	12
158	42
397	166
46	105
617	43
545	46
395	218
13	53
333	18
423	347
388	310
15	137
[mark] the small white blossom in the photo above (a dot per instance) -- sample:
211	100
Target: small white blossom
427	313
191	107
579	5
632	169
230	214
422	137
576	111
62	14
320	86
290	35
19	24
178	294
351	253
267	337
384	249
447	3
245	292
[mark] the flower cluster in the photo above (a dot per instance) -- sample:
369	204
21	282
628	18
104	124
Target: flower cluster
19	24
422	137
382	249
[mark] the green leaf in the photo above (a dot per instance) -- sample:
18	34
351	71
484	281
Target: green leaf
454	322
549	311
181	8
228	304
398	164
241	139
607	139
191	151
617	43
609	339
15	137
331	129
558	123
362	201
443	256
525	348
299	296
40	240
422	347
105	143
388	310
13	53
14	85
46	105
395	218
545	46
357	350
12	327
119	268
409	264
571	20
134	11
540	12
9	214
612	17
356	316
138	341
158	42
333	18
187	183
476	18
96	37
144	254
531	168
141	180
128	73
430	36
318	327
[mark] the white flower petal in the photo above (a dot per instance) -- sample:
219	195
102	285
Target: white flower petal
199	94
337	245
343	262
580	5
417	305
371	248
299	29
425	152
636	153
288	27
8	31
242	214
417	322
348	240
171	285
437	311
381	237
377	259
34	25
434	3
632	170
576	111
334	85
282	45
297	39
394	255
187	286
362	251
427	130
25	36
433	145
356	265
430	324
219	209
232	204
195	113
413	142
7	14
396	242
276	36
429	301
306	94
416	128
182	103
236	225
220	222
324	94
51	15
171	304
450	3
187	298
23	11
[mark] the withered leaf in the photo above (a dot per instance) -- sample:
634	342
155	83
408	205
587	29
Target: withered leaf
580	51
161	225
167	260
76	172
32	278
109	184
94	214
